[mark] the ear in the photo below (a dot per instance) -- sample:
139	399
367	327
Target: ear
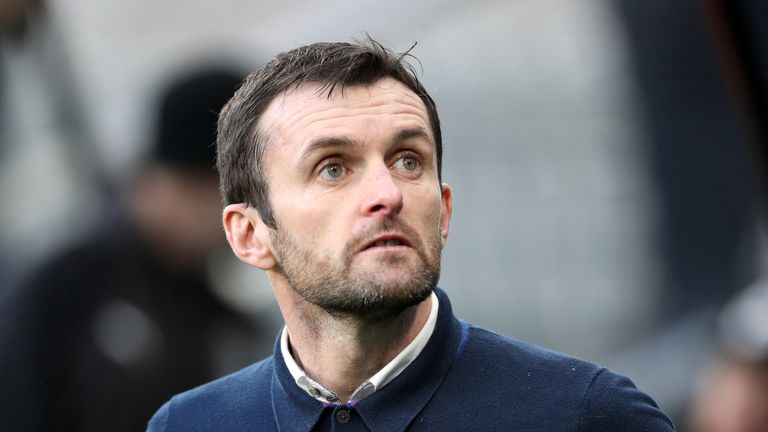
248	236
446	211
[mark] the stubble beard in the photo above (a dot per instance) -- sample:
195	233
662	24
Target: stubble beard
339	289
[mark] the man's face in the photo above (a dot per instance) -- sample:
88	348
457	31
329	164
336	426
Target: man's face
353	181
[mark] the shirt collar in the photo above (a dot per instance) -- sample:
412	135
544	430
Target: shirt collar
378	380
394	407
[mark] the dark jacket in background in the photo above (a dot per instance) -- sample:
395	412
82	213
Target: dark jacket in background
105	333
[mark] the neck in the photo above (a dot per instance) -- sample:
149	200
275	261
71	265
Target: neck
342	351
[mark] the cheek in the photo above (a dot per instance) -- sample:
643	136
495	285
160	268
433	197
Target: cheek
428	204
423	214
309	221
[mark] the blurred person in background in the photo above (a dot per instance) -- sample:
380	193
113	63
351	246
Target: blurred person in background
732	395
106	331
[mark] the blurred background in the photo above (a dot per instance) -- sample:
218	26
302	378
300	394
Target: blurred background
607	159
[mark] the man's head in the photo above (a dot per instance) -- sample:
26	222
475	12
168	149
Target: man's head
242	140
330	165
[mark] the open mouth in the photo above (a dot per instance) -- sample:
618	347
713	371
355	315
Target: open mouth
387	241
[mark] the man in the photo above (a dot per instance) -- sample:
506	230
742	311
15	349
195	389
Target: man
330	160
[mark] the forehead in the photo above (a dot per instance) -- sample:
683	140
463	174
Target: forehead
298	115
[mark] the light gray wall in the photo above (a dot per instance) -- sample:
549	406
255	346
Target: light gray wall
553	215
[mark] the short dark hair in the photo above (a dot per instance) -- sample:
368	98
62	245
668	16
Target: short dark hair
242	146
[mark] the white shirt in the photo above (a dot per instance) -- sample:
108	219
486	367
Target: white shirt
378	380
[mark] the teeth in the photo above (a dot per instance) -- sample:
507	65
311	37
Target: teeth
388	242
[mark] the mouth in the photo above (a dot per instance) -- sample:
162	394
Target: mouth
386	241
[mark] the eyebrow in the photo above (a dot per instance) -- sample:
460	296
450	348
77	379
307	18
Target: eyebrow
414	132
326	142
322	143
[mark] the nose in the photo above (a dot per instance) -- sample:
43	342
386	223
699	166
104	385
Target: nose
382	194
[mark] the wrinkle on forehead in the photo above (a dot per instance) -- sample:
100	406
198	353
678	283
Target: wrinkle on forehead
296	109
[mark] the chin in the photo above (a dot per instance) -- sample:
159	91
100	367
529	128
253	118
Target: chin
371	295
389	301
391	290
371	286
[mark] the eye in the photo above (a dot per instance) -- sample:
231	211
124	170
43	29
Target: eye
408	164
333	171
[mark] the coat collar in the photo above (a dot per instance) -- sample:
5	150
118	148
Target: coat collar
391	408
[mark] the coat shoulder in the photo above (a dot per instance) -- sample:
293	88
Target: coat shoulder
549	390
507	354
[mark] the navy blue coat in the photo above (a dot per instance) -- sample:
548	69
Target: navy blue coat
465	379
